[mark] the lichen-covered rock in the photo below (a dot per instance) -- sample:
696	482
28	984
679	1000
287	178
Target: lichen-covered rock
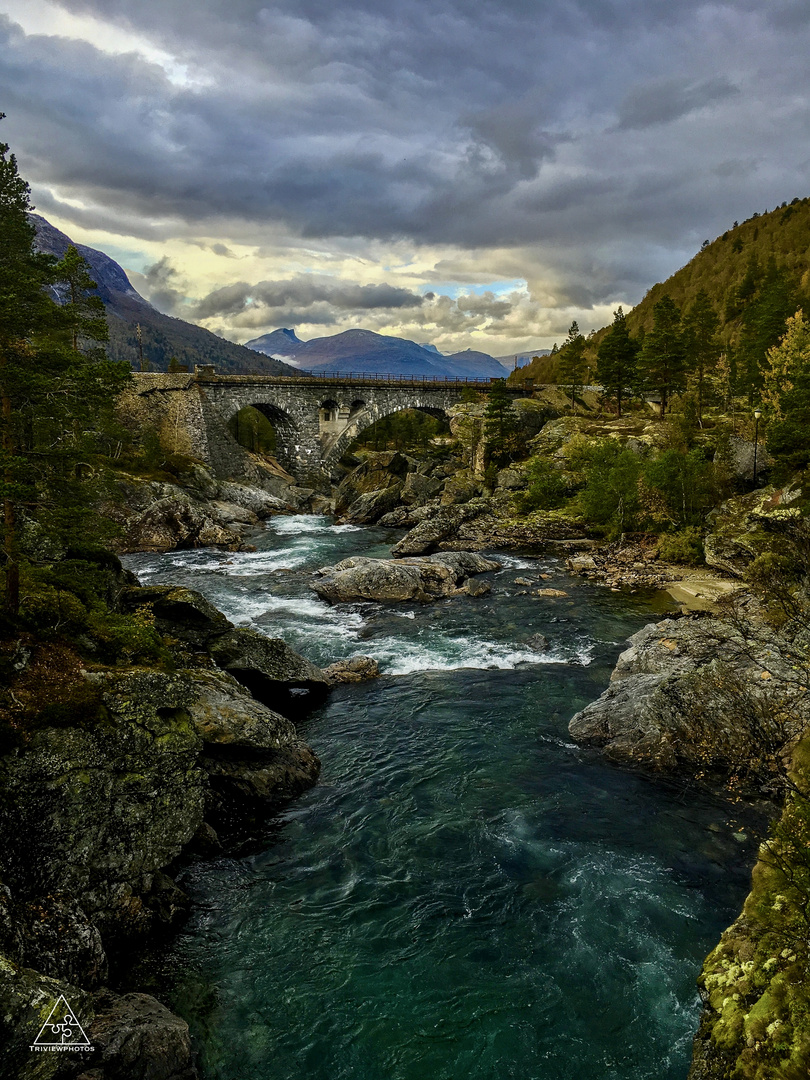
270	669
256	500
95	813
435	524
756	997
687	694
372	505
178	612
750	525
176	521
137	1038
225	715
357	669
377	473
27	999
421	579
251	754
419	488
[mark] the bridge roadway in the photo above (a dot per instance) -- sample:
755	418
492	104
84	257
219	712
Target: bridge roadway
316	417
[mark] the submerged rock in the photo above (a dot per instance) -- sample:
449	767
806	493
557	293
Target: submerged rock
357	669
420	579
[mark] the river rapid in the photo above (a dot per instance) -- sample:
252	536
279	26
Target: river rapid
465	893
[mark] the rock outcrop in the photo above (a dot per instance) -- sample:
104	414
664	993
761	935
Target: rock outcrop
692	694
95	812
270	669
422	579
750	525
357	669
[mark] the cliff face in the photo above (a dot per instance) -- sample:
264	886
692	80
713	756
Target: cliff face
94	813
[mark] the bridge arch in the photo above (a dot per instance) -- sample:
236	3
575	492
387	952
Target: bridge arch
288	431
366	418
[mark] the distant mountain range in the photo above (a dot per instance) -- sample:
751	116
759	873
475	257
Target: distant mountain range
163	337
366	352
281	352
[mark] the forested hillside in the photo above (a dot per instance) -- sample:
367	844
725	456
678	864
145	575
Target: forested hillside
718	315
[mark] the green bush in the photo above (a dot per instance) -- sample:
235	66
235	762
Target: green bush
49	611
610	496
685	546
126	638
547	487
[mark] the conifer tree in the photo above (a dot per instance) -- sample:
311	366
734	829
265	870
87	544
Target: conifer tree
661	361
572	362
702	346
83	312
26	311
500	424
616	360
53	395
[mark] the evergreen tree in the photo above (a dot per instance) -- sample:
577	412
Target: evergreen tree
702	345
661	361
500	424
25	311
53	397
83	312
767	298
616	360
572	362
787	393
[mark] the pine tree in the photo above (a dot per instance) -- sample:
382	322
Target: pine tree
83	312
661	362
25	312
572	362
616	360
500	424
702	345
53	394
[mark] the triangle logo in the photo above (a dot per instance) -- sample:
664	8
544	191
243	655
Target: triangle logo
62	1028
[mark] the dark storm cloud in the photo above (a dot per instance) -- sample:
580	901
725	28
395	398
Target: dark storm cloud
658	103
477	124
304	292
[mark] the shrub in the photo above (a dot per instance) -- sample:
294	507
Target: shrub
685	546
51	611
547	487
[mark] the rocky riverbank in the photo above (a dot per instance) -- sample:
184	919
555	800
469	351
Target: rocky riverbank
723	699
141	767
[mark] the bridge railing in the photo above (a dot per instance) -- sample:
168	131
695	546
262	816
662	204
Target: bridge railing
382	376
369	378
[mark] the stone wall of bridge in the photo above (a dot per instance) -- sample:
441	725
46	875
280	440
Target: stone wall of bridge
316	420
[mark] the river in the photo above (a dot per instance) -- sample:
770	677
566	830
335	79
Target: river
465	893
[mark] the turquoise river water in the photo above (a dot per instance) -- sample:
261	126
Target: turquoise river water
465	894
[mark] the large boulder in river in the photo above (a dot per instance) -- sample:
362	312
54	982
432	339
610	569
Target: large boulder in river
251	754
364	493
421	579
270	669
693	694
357	669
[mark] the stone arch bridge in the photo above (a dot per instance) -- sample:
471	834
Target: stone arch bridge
316	418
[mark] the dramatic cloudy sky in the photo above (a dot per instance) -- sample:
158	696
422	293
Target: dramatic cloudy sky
474	173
